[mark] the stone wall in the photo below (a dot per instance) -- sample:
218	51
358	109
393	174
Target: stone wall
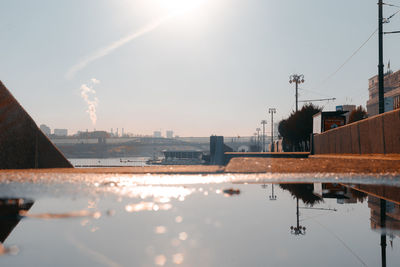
22	143
376	135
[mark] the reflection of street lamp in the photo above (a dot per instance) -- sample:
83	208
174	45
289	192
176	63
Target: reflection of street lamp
297	230
272	196
295	78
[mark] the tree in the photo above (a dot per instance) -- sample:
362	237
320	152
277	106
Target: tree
297	128
358	114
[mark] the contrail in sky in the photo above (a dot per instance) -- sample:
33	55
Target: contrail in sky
86	90
108	49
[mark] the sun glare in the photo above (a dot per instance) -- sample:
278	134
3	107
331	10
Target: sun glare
180	7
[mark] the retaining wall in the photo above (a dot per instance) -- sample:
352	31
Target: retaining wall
376	135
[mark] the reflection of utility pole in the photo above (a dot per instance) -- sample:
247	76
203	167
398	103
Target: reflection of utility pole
263	122
383	231
295	78
272	196
272	111
258	139
297	230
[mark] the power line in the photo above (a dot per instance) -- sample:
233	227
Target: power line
321	99
315	92
348	59
392	5
362	45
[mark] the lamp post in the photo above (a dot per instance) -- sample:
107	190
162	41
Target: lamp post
263	122
272	111
258	139
296	78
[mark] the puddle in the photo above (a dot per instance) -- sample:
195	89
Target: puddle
205	221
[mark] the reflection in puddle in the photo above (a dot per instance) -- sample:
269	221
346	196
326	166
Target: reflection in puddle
10	210
147	206
72	214
200	226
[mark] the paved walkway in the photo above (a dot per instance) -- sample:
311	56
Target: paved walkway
313	164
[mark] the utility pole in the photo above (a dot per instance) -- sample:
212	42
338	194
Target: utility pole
263	122
272	111
381	92
297	78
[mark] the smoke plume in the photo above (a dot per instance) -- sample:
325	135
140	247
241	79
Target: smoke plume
89	95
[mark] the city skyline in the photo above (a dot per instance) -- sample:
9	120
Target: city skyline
208	67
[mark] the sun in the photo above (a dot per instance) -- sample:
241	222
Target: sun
180	7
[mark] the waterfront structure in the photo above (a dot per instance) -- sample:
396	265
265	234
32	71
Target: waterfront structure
182	157
60	132
391	93
170	134
157	134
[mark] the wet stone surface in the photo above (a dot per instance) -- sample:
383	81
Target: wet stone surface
204	220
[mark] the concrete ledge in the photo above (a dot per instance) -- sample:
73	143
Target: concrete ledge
314	165
231	155
321	164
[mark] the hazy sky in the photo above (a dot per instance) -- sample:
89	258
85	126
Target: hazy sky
197	67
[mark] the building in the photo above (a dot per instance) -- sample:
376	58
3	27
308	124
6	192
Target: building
348	108
326	120
157	134
392	93
170	134
45	129
60	132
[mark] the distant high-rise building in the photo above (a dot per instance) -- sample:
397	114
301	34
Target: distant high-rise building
391	93
60	132
170	134
157	134
45	129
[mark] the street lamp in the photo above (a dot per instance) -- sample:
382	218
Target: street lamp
258	139
272	111
263	122
296	78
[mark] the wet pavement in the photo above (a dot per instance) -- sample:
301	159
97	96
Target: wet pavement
93	219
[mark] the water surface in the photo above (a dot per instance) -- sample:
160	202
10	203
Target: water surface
199	221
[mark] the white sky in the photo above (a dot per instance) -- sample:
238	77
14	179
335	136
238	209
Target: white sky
212	68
